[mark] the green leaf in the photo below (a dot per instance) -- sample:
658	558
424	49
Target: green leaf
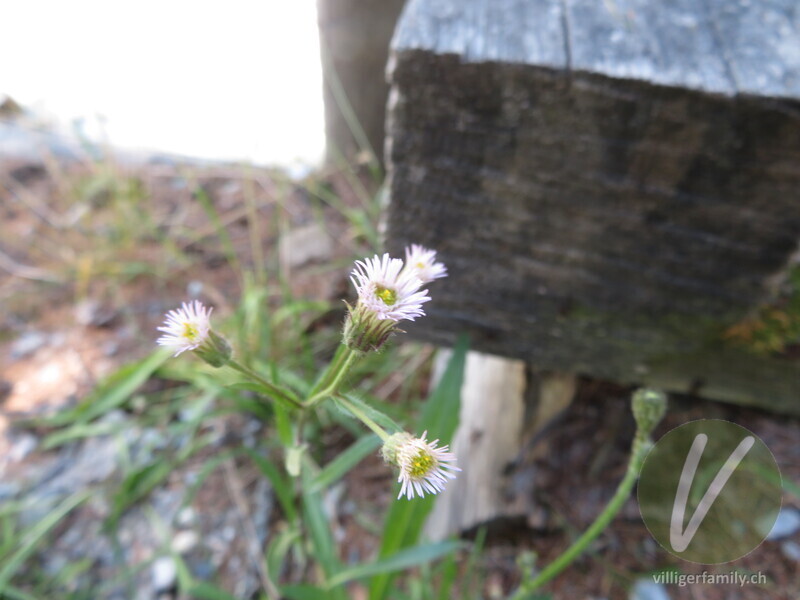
281	485
79	431
404	559
283	424
373	413
136	486
35	535
112	392
278	549
202	590
405	518
342	464
316	520
304	592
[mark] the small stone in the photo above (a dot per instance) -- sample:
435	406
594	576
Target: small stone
185	517
28	343
787	523
791	550
194	289
25	444
184	541
303	245
646	589
164	574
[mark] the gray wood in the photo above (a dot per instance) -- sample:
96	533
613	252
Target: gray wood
761	42
610	210
354	46
668	43
512	31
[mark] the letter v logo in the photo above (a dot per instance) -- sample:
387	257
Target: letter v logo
679	538
709	491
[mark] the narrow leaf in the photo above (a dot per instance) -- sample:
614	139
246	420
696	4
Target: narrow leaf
404	559
406	518
342	464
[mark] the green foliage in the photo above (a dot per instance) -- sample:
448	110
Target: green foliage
403	523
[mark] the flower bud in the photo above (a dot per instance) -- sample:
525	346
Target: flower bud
648	407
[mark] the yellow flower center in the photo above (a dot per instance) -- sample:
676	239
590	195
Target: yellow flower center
190	332
388	296
420	265
421	464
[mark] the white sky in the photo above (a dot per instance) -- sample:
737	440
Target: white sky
232	80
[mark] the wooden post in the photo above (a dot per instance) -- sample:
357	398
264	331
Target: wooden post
354	44
613	185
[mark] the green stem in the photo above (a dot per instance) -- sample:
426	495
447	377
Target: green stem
274	390
361	416
638	452
343	366
331	369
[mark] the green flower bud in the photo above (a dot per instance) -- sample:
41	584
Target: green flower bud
649	407
364	331
215	350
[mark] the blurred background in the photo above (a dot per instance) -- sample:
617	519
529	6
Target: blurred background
241	83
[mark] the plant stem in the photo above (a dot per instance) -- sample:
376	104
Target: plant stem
333	367
361	415
277	392
639	450
336	373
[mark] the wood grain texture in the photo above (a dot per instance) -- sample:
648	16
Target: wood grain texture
608	215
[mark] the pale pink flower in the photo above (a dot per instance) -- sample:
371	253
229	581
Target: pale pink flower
186	328
422	262
387	290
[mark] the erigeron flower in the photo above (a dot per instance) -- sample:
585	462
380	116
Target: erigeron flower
423	467
387	290
422	262
189	328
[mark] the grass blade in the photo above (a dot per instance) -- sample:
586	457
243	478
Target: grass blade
281	485
404	559
36	534
348	459
405	519
113	391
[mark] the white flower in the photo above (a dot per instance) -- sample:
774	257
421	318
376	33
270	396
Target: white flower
423	466
387	290
186	328
422	262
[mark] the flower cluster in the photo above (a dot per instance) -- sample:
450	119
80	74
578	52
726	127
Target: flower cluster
389	290
423	467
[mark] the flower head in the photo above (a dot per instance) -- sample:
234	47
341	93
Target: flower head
422	262
387	290
189	328
186	328
423	466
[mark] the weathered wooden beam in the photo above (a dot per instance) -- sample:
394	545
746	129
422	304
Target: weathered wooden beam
354	46
611	184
